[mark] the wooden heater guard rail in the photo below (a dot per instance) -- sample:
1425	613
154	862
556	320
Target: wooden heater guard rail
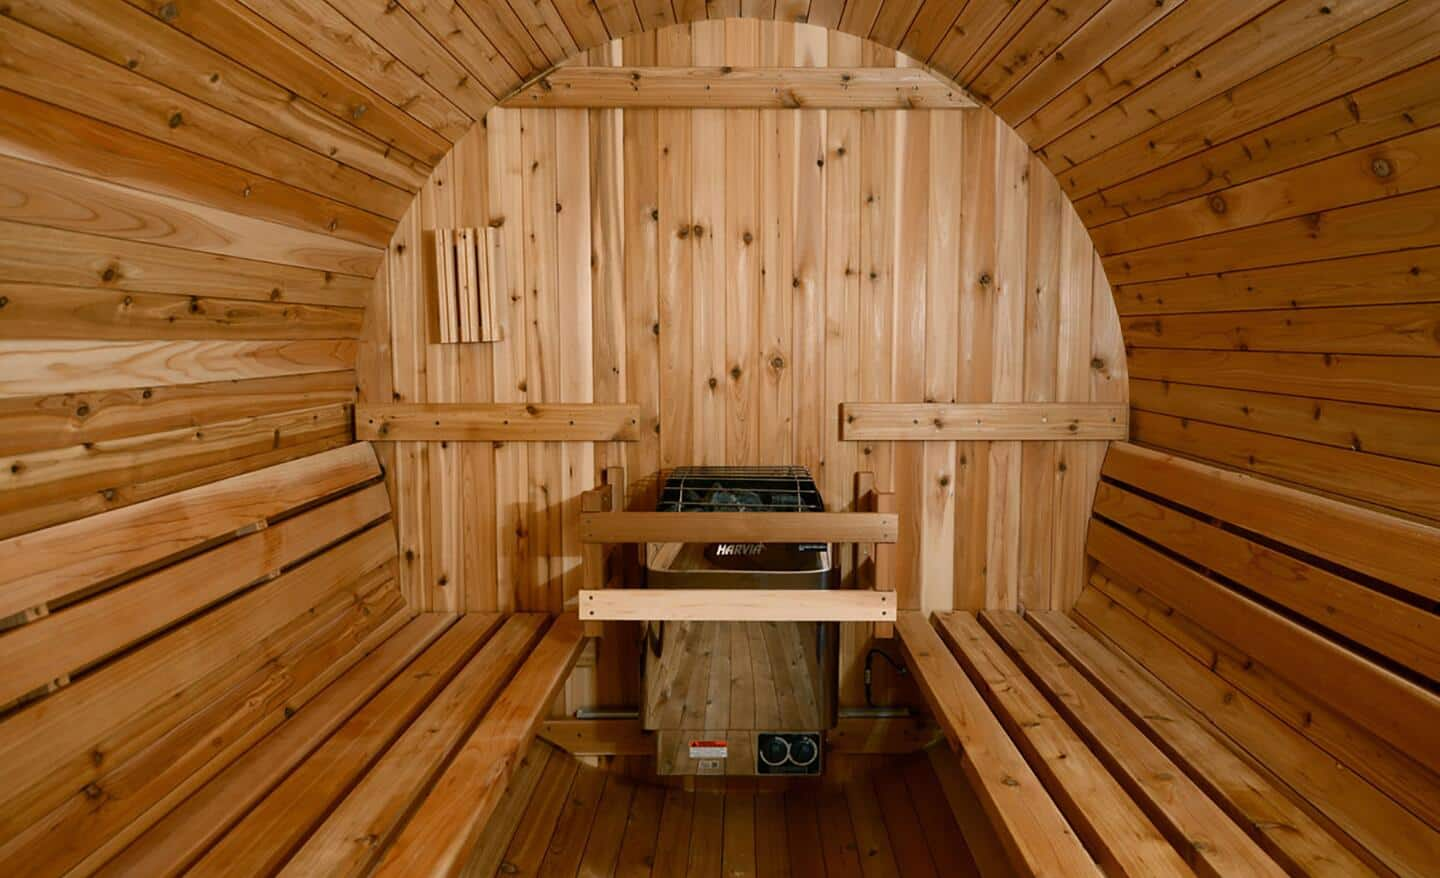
602	522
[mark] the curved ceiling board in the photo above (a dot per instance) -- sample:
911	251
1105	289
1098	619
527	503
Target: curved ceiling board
1257	177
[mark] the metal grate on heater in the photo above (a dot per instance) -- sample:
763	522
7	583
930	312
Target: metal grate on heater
740	489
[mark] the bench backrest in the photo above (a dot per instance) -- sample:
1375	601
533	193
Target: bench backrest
1302	625
142	646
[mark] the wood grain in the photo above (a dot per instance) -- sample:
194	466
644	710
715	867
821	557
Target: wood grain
498	422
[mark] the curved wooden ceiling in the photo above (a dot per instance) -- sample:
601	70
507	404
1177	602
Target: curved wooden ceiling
1256	173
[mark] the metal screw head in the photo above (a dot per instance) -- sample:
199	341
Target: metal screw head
1382	168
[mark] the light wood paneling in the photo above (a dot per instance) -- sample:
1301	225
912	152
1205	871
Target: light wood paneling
734	301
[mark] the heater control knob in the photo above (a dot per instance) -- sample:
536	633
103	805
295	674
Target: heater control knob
774	750
804	750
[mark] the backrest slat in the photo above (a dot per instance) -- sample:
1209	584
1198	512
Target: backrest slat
49	564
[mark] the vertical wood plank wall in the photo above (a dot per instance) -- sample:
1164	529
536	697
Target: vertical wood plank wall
739	274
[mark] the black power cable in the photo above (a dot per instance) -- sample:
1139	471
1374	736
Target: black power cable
869	662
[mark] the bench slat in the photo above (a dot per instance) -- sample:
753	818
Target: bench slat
1374	820
1211	842
1123	838
264	839
187	832
353	836
449	822
1037	838
1283	829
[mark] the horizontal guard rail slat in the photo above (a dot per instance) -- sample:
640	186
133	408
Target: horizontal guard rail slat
735	605
739	527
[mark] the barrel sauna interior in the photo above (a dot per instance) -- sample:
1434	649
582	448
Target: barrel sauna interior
346	347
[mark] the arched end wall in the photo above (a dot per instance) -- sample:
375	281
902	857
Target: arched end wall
738	275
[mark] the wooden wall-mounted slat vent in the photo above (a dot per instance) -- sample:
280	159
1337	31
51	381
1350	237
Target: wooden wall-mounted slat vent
991	421
766	88
497	422
467	273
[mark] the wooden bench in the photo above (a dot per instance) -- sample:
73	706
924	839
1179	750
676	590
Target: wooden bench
1246	687
226	680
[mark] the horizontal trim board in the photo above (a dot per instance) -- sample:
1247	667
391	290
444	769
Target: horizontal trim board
498	422
882	421
775	88
735	605
739	527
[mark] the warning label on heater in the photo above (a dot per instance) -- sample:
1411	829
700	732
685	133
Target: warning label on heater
709	749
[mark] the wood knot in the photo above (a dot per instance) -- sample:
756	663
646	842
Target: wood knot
82	410
1097	363
1217	204
530	409
985	279
713	383
168	12
777	362
177	119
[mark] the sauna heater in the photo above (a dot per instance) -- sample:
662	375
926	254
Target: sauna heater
740	698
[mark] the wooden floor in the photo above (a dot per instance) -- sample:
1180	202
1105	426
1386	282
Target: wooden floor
571	819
